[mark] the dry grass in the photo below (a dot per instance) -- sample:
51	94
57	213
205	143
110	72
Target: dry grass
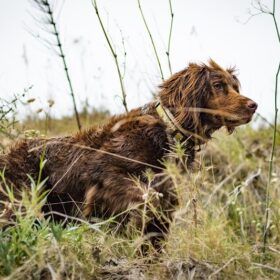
217	232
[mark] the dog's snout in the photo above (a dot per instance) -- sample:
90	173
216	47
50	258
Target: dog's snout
252	105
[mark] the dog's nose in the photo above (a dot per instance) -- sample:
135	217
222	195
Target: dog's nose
252	105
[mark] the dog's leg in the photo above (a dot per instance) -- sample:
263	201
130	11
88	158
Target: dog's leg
150	208
114	195
158	226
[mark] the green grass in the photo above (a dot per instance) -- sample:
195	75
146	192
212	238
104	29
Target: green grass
217	231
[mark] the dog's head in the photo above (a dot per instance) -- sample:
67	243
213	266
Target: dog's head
204	98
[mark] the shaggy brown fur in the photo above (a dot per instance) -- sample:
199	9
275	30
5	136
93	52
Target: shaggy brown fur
89	174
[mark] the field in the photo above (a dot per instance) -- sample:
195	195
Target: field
117	55
217	232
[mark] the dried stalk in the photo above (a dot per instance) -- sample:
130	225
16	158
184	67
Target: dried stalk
151	38
263	10
268	122
45	7
114	54
169	37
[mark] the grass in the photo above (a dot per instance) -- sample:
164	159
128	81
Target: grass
217	232
43	124
65	125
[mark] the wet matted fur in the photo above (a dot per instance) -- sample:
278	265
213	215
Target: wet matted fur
89	174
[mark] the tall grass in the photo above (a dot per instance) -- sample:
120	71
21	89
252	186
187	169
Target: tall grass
151	39
114	54
170	36
47	19
221	238
263	9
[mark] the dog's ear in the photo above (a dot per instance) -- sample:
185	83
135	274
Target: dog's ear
215	66
233	72
186	92
195	93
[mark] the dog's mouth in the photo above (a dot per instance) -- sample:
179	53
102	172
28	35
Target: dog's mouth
231	124
239	120
222	117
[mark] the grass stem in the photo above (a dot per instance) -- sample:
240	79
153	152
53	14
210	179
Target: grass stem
62	55
151	38
169	37
114	54
268	202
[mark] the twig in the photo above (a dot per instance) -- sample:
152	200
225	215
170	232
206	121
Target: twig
221	268
276	270
169	37
219	186
8	113
273	250
267	203
100	151
114	54
194	203
62	55
45	7
124	54
151	38
21	268
268	122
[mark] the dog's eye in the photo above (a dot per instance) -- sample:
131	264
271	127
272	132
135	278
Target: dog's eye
236	89
218	86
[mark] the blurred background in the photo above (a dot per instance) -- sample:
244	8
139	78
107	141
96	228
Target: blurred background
226	31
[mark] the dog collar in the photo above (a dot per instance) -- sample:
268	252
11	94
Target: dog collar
175	129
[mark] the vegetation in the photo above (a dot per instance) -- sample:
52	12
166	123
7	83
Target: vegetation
217	232
226	226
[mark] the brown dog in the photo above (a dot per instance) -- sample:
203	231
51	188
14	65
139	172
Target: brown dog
89	174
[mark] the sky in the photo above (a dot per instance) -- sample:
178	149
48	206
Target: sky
202	29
